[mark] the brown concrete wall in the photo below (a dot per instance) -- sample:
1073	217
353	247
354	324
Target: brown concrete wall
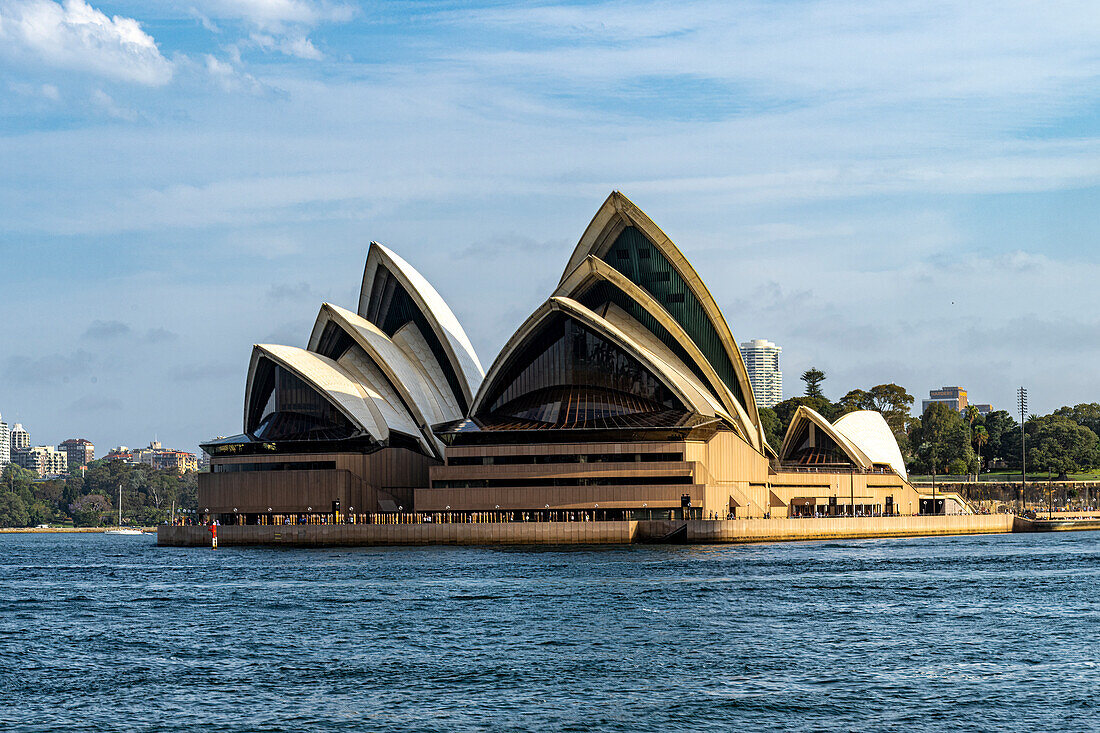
359	480
516	533
768	530
566	533
283	491
569	498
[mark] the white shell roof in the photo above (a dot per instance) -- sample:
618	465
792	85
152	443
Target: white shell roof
686	388
616	212
429	402
808	414
435	309
594	267
331	380
869	431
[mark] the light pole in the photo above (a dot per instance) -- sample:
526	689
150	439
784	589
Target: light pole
1021	401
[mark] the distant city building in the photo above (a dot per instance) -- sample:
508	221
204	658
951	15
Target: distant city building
5	444
953	397
43	459
20	438
762	364
157	456
80	452
121	453
175	460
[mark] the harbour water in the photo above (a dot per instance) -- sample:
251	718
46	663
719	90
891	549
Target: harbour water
991	632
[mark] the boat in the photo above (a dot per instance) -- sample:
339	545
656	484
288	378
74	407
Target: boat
120	529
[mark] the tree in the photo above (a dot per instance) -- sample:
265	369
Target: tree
1001	428
856	399
785	411
940	438
894	402
773	429
1061	446
1085	414
19	481
89	511
813	377
981	437
13	510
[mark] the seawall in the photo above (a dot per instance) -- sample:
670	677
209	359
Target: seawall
586	533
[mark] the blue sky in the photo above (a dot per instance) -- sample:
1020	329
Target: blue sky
892	191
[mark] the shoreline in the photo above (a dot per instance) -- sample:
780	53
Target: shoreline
65	530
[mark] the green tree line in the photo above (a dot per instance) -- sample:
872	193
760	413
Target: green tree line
949	442
92	500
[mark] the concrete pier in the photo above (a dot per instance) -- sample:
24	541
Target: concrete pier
587	533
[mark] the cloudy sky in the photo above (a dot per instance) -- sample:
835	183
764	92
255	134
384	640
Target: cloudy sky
892	190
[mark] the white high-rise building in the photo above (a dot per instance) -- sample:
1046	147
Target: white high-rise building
5	444
20	438
762	363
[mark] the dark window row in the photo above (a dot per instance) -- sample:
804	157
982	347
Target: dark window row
286	466
566	353
496	483
566	458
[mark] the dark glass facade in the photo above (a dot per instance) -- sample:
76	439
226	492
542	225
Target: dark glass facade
285	466
603	292
635	256
568	375
284	407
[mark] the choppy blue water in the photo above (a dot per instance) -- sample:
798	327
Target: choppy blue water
113	633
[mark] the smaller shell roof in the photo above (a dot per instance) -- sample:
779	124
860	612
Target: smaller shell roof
442	319
808	414
869	431
330	380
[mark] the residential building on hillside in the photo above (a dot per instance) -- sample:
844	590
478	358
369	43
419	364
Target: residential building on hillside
79	452
157	456
121	453
20	438
175	460
44	459
5	444
762	364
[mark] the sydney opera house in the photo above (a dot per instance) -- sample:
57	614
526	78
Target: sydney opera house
623	396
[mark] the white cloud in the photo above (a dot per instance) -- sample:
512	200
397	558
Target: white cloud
281	25
230	78
105	102
269	13
47	91
74	35
295	45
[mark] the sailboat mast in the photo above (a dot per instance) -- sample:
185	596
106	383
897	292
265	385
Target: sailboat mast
120	505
